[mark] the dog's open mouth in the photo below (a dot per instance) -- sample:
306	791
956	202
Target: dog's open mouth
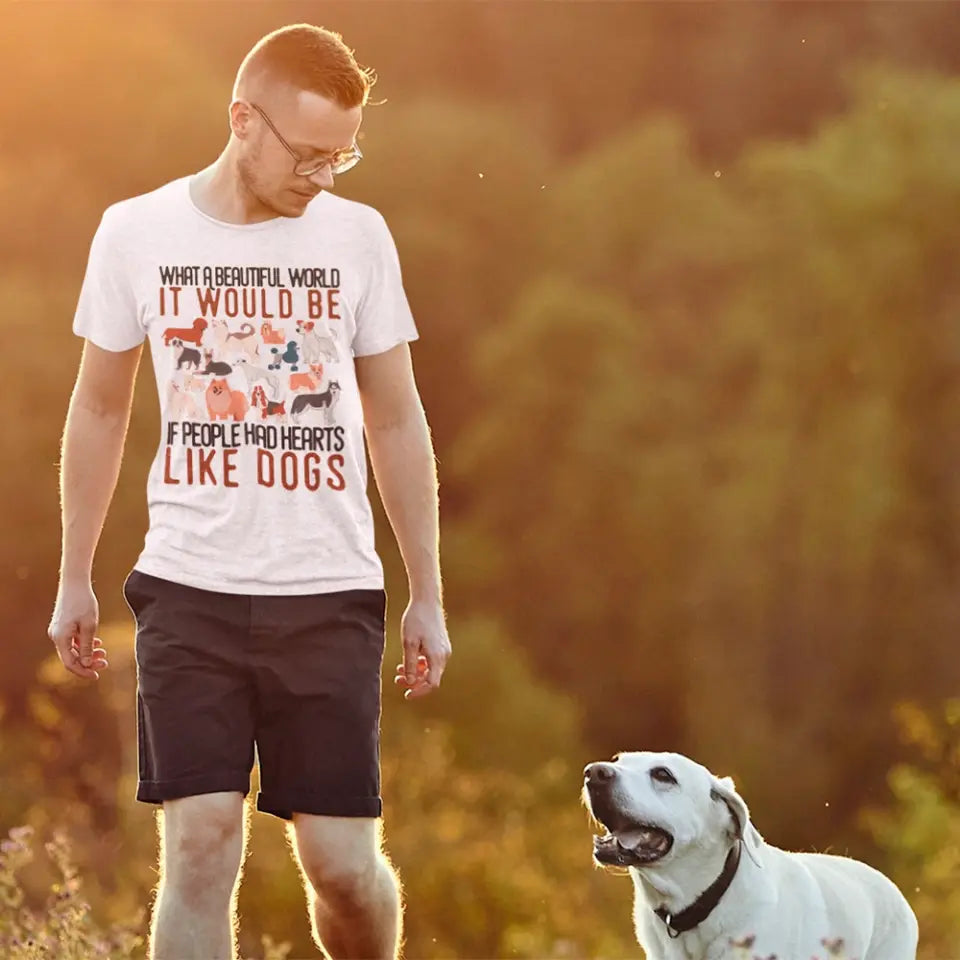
635	846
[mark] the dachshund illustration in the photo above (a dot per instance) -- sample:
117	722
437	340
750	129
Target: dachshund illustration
315	401
217	367
188	356
253	373
290	355
316	347
309	381
270	335
192	334
268	408
222	402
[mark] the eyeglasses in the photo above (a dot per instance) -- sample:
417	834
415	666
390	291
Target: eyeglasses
339	162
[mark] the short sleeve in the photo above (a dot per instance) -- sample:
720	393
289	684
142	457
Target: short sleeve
107	313
383	314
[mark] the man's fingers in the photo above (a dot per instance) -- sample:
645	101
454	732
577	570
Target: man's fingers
85	636
69	653
411	661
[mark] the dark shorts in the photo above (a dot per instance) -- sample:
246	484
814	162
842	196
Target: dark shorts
296	678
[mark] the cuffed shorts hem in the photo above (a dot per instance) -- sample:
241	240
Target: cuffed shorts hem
284	805
156	791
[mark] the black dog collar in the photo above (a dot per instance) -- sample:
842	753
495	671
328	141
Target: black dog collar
701	908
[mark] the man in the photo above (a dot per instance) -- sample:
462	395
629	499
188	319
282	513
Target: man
279	332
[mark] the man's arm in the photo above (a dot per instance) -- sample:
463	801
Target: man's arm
405	470
93	439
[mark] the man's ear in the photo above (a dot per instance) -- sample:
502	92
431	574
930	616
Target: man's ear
724	791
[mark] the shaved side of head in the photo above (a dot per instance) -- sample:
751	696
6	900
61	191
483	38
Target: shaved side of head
303	57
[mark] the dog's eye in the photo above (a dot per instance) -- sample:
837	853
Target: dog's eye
663	775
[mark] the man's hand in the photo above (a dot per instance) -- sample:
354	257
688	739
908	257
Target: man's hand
426	649
72	627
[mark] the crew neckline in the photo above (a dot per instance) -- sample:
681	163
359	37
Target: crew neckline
272	223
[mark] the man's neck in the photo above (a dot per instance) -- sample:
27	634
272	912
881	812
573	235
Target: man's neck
220	193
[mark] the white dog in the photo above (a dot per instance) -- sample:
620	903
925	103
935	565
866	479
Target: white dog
705	880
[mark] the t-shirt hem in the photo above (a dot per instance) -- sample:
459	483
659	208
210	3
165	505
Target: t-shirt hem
384	346
107	343
257	588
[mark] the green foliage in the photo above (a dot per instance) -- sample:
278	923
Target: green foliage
919	832
690	357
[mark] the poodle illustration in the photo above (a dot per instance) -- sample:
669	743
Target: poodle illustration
216	367
187	357
315	401
245	341
290	355
222	402
270	335
268	408
253	373
181	404
192	334
316	347
308	381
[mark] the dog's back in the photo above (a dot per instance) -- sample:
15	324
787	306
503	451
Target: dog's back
852	888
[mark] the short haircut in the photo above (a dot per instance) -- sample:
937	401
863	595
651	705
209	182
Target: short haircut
309	58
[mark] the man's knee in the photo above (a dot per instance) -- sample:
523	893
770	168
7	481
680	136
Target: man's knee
203	843
342	861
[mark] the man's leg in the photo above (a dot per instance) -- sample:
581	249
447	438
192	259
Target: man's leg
353	890
202	842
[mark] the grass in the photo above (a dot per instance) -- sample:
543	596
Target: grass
57	921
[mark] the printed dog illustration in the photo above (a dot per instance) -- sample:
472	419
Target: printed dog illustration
245	341
290	355
216	367
253	373
192	334
222	402
187	357
309	381
704	878
315	346
270	335
324	402
181	405
268	408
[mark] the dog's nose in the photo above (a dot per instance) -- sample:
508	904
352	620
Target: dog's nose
598	773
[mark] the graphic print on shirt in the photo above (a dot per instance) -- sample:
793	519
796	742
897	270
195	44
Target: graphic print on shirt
253	372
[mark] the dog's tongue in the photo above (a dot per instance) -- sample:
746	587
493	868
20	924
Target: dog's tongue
633	839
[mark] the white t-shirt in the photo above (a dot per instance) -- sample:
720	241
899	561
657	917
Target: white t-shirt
259	482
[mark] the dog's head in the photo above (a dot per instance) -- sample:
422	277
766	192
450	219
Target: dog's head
656	805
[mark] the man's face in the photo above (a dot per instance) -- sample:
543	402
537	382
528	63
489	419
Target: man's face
313	126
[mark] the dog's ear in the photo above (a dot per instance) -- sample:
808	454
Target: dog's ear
724	791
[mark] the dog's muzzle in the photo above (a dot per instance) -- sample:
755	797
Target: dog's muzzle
646	845
628	842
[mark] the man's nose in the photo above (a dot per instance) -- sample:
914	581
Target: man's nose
323	178
599	774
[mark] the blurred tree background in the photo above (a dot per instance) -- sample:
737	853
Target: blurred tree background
685	275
